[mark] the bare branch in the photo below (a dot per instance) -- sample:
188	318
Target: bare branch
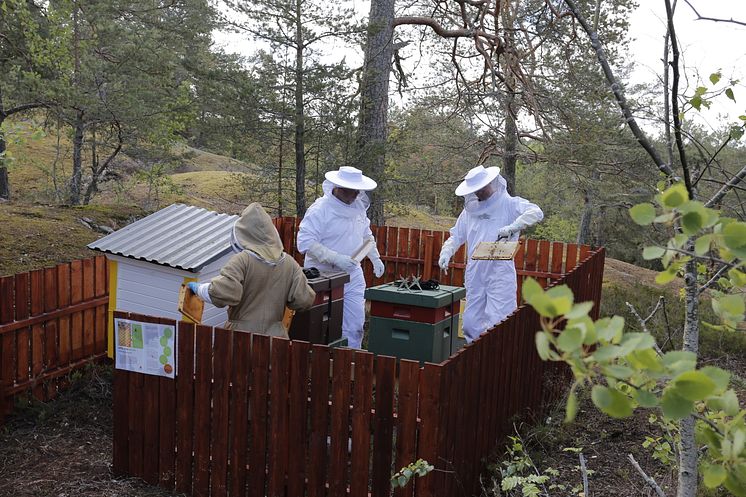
714	19
658	490
727	187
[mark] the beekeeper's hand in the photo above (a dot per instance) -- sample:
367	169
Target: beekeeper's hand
201	290
449	248
328	256
507	232
375	258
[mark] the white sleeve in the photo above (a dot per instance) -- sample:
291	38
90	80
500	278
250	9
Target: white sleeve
527	214
309	231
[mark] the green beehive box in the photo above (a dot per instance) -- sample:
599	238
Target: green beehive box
422	342
441	297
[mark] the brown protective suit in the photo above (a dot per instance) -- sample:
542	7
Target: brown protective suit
259	282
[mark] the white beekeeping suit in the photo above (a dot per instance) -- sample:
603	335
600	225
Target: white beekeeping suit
332	231
491	286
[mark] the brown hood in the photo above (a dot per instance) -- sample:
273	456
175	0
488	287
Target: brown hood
254	231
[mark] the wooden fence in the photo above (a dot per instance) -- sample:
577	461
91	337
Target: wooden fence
252	416
414	251
52	321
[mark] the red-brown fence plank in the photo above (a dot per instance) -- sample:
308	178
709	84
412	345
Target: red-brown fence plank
278	416
437	245
37	332
63	300
185	406
259	427
89	334
202	409
406	426
76	296
151	427
543	262
167	424
239	424
298	417
220	403
340	421
385	368
8	349
427	435
319	420
415	269
361	408
571	259
393	270
23	336
51	329
136	399
100	313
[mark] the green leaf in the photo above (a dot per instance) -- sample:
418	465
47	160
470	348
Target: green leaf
729	94
636	341
645	359
713	475
696	102
611	402
737	277
674	406
693	385
645	398
650	253
667	276
729	306
674	196
736	132
665	218
643	214
608	352
571	409
570	340
679	360
692	222
530	289
702	245
542	345
579	310
734	235
720	377
610	329
714	78
739	441
618	372
736	480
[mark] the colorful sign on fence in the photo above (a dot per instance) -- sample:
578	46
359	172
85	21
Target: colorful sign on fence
147	348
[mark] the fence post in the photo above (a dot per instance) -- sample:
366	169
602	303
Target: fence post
427	272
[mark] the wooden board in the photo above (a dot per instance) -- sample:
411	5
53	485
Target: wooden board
190	304
495	251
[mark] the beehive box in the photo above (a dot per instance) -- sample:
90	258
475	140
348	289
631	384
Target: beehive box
416	325
322	322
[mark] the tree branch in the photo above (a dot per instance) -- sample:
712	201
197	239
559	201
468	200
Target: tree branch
617	89
727	187
658	490
715	19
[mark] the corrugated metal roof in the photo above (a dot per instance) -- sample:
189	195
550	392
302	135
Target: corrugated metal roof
180	236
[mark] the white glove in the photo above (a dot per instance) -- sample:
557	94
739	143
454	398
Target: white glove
200	290
506	232
375	258
449	248
328	256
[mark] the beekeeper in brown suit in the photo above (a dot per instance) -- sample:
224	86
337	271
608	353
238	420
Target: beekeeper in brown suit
259	281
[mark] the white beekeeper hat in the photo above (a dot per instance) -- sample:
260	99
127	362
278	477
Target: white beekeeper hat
476	179
351	177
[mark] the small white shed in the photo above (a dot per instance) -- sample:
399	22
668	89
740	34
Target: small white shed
150	259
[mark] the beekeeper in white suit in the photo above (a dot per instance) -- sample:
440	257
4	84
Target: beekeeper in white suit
490	213
334	228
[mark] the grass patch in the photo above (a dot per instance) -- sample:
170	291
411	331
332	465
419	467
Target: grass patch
43	236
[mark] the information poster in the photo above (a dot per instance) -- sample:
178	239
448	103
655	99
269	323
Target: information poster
145	347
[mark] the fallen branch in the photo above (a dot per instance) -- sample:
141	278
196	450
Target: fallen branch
658	490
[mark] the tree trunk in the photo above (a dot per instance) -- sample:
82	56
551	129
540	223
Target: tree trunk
77	175
300	152
584	230
4	181
688	455
511	143
371	140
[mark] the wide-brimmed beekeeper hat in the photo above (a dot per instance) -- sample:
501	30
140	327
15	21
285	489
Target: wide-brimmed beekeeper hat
351	177
476	179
